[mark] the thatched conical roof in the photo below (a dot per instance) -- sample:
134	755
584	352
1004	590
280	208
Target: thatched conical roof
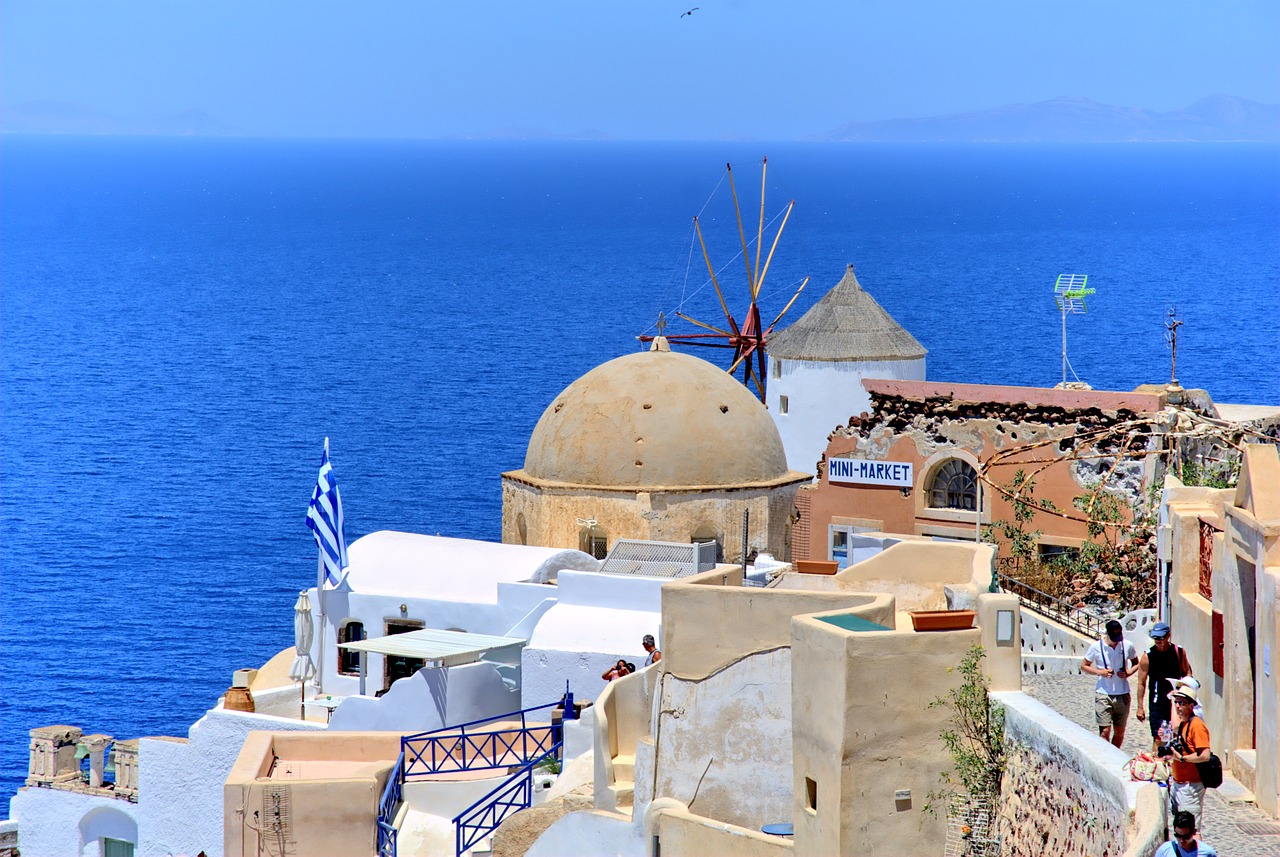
847	324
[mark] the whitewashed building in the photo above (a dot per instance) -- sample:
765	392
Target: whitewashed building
816	367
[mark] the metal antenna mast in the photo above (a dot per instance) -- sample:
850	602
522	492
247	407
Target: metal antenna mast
1069	293
1171	336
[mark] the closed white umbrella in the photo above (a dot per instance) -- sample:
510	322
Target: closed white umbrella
303	630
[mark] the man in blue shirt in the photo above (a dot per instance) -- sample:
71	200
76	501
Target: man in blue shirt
1184	842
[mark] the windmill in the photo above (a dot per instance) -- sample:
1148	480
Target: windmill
1069	293
749	340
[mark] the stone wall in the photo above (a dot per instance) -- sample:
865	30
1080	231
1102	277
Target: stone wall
1065	791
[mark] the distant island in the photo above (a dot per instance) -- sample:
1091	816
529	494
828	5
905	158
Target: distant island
1216	119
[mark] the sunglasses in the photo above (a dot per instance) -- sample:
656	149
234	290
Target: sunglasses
1180	835
1180	700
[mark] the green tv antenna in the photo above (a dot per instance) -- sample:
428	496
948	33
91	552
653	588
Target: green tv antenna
1069	293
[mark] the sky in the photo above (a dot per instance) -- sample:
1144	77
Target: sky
627	69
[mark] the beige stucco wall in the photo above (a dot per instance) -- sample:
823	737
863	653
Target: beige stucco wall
862	730
710	620
1003	661
915	572
549	516
1246	556
680	833
320	816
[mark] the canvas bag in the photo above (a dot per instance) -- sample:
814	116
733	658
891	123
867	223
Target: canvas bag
1145	768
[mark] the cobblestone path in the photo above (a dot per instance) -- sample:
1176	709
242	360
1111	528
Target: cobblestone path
1072	697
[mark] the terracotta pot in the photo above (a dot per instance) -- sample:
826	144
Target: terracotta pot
942	620
238	699
817	566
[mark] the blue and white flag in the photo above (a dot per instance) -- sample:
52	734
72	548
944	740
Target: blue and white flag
324	517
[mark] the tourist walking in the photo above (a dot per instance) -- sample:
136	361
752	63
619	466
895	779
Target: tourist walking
651	647
1112	659
1184	842
1188	747
1158	666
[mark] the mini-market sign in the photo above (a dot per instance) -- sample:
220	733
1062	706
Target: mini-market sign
897	474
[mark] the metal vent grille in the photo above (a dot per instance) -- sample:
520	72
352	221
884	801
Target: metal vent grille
659	559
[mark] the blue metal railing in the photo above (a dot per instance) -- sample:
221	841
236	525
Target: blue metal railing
485	815
391	796
465	748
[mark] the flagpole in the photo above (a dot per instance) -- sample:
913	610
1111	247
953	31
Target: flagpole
324	518
320	636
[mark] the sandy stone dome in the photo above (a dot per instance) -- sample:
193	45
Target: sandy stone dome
656	419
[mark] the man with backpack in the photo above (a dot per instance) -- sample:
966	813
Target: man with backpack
1158	666
1187	749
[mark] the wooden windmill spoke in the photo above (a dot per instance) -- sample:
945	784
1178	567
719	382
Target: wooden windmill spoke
703	324
769	258
710	270
759	277
743	354
746	255
750	338
803	283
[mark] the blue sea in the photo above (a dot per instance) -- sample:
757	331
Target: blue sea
183	322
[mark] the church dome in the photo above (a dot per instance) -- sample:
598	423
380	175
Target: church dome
656	420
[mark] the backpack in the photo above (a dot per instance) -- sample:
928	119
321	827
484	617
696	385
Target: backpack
1211	772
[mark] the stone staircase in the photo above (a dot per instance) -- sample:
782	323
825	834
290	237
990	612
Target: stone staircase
624	775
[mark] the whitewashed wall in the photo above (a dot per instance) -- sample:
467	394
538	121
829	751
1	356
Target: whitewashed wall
430	699
822	395
179	808
54	823
180	783
514	602
597	619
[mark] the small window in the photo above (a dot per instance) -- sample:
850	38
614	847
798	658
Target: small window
708	535
810	795
349	661
1050	554
954	486
116	847
784	404
594	540
777	368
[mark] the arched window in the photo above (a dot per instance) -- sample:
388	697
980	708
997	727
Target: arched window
594	540
522	529
349	661
954	486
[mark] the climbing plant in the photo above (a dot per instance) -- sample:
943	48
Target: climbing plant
973	735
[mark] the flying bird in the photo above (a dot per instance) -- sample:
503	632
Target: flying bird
691	11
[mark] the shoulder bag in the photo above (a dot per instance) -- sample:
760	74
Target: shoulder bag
1210	771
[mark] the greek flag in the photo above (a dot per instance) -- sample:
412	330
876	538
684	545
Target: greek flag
324	517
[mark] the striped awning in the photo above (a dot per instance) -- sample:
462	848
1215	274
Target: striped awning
429	644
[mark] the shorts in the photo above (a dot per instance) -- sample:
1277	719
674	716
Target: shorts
1186	797
1110	710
